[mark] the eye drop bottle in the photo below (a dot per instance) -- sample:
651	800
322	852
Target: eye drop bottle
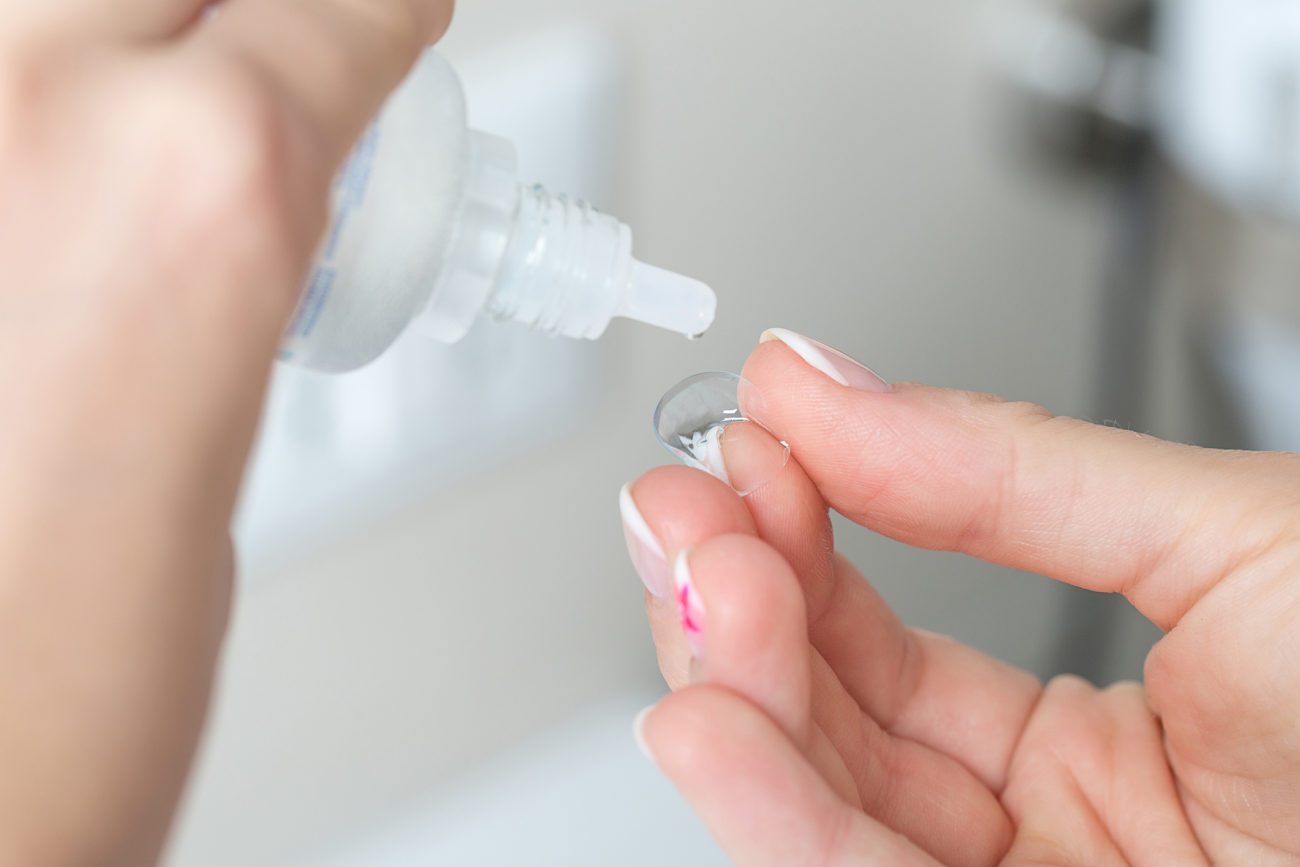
430	228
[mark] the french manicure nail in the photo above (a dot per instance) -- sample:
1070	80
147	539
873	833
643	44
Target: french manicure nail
690	607
830	362
643	548
638	732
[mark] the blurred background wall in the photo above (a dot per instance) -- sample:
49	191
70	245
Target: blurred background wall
852	169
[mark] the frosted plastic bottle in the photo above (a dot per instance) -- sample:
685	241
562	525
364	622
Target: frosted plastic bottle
431	227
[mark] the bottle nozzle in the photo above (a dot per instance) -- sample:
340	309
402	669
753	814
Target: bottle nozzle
558	265
667	300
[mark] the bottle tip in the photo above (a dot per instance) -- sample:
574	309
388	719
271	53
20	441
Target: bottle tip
668	300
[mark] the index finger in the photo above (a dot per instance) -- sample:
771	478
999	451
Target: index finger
335	60
1101	508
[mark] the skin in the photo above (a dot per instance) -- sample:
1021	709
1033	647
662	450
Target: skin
162	186
816	729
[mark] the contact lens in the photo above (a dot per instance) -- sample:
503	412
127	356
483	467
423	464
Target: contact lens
706	422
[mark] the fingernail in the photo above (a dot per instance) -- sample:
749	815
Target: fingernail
707	421
752	456
638	732
690	607
830	362
643	548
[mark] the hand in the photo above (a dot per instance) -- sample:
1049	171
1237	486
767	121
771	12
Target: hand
164	177
814	728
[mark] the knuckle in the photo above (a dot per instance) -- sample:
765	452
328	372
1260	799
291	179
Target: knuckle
398	28
1068	688
224	193
683	725
21	83
226	137
1026	413
1006	472
1126	693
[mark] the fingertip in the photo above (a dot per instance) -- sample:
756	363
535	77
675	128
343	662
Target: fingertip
678	508
686	733
659	734
769	356
753	457
638	732
800	406
673	476
684	507
830	363
750	589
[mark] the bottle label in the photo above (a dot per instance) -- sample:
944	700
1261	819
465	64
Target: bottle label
348	197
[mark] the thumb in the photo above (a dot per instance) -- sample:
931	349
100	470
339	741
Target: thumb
1098	507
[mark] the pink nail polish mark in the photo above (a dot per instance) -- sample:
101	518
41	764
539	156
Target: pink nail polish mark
690	608
685	606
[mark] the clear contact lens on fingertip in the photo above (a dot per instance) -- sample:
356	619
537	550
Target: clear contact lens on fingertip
706	421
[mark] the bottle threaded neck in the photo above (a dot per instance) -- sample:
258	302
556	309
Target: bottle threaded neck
551	262
566	268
